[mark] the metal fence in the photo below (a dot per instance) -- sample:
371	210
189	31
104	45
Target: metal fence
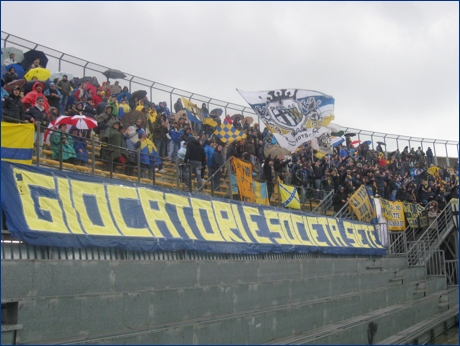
445	152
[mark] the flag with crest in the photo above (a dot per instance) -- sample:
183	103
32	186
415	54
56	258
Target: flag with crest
294	116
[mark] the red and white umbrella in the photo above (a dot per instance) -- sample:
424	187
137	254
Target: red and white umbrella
54	126
355	142
82	122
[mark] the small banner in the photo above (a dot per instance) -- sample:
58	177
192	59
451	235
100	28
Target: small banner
17	142
362	205
261	193
414	216
193	109
227	133
289	196
243	172
394	214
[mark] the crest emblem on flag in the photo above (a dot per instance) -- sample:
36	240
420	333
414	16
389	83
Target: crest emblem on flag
294	116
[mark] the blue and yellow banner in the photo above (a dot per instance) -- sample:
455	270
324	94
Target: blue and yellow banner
362	205
57	208
243	174
261	193
394	213
17	142
289	197
415	215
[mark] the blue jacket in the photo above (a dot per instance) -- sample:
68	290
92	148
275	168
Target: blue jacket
209	153
175	134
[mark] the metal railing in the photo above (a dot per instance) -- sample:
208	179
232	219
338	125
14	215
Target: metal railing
419	251
211	179
325	205
346	212
59	61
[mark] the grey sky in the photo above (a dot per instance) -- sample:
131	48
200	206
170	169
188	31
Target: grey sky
391	66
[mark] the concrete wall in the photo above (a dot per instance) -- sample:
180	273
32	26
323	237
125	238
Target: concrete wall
198	301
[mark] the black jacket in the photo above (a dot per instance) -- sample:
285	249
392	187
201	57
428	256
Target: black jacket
40	116
13	108
195	152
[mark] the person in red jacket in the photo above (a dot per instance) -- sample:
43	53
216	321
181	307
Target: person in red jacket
31	98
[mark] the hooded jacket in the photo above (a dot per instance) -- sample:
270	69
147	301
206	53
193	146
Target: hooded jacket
195	152
79	144
13	108
31	97
39	115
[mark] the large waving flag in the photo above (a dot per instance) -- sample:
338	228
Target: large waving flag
196	114
227	133
17	142
294	116
289	197
323	143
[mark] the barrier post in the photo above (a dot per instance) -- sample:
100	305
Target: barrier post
93	155
138	154
60	150
37	143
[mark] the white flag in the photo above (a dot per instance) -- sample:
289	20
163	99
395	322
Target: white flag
294	116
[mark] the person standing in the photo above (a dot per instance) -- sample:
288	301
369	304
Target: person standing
37	114
64	88
53	96
12	107
196	157
216	167
429	156
339	199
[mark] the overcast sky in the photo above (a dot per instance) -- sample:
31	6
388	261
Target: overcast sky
391	66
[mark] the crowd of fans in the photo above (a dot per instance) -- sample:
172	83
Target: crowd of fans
167	135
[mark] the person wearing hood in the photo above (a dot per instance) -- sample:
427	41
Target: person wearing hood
160	129
186	135
59	138
10	60
147	157
178	105
209	151
11	75
79	146
131	139
174	143
37	114
339	199
217	161
12	107
115	151
196	157
30	99
77	109
53	96
105	120
54	113
114	103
